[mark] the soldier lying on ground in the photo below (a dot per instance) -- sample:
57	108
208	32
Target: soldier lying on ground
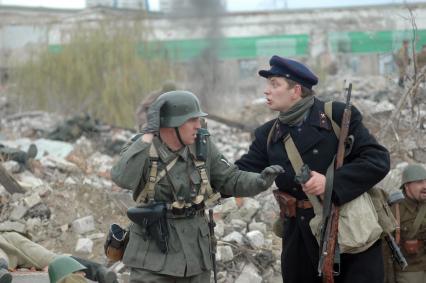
16	251
20	156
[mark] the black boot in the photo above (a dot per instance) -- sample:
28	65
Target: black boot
96	271
5	276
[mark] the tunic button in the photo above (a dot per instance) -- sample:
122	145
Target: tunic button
315	151
294	189
302	218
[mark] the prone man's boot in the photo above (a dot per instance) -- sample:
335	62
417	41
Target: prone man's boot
5	276
96	271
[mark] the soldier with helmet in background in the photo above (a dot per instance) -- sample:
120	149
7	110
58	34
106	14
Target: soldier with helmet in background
175	172
413	225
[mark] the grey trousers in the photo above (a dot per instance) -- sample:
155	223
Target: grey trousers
144	276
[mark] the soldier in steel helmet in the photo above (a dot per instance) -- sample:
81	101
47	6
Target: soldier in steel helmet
164	168
413	225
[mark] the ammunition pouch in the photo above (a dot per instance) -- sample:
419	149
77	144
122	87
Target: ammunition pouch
116	242
289	204
152	218
412	247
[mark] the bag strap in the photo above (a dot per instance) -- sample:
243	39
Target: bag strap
328	109
418	221
297	162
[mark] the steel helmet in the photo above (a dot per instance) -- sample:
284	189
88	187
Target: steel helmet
179	107
62	266
413	172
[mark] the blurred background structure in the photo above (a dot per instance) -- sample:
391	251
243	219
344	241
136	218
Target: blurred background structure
104	57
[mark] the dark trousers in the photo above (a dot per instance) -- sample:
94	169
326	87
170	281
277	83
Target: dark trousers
365	267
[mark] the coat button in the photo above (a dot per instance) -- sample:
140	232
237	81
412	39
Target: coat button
294	189
315	151
302	218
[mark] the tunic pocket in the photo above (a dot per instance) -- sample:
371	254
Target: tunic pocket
204	243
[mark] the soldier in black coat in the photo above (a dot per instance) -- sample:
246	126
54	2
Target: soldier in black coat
289	91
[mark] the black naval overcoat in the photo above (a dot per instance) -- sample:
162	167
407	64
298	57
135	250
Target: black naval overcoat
365	166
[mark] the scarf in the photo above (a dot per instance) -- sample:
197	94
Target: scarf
296	114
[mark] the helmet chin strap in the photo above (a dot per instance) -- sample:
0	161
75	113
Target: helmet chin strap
178	136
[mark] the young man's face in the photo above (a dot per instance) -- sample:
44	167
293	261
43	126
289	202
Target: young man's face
279	96
188	131
416	190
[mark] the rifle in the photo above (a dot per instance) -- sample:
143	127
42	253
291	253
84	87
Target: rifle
329	262
212	243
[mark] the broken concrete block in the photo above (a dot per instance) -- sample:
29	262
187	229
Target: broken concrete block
18	212
32	200
83	225
234	237
256	239
249	274
12	166
259	226
84	245
224	253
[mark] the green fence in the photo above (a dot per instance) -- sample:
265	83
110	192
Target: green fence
229	48
372	42
266	46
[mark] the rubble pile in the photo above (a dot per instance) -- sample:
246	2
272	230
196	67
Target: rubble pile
70	200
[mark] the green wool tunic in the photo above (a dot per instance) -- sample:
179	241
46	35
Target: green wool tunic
189	251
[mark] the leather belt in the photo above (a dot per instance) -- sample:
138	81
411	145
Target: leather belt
304	204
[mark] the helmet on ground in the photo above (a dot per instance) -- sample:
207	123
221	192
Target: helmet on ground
179	107
413	172
62	266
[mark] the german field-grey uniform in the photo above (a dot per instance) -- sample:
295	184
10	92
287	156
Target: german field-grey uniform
179	177
413	231
17	251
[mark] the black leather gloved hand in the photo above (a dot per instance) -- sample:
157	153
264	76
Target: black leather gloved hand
153	117
268	175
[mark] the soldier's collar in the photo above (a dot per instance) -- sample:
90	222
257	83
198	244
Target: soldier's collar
412	204
166	154
317	117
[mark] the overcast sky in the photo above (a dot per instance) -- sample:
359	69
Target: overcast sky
232	5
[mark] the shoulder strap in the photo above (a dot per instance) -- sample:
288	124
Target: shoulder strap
328	109
148	192
418	221
297	162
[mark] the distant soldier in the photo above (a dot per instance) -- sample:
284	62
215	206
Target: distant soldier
402	60
421	58
413	225
142	110
22	157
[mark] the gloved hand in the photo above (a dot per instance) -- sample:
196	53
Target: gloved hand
268	175
153	117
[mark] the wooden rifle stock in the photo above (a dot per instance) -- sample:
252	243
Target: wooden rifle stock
333	222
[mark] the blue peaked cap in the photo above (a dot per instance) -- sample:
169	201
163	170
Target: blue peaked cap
290	69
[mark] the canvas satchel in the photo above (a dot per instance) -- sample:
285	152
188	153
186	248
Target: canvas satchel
359	228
